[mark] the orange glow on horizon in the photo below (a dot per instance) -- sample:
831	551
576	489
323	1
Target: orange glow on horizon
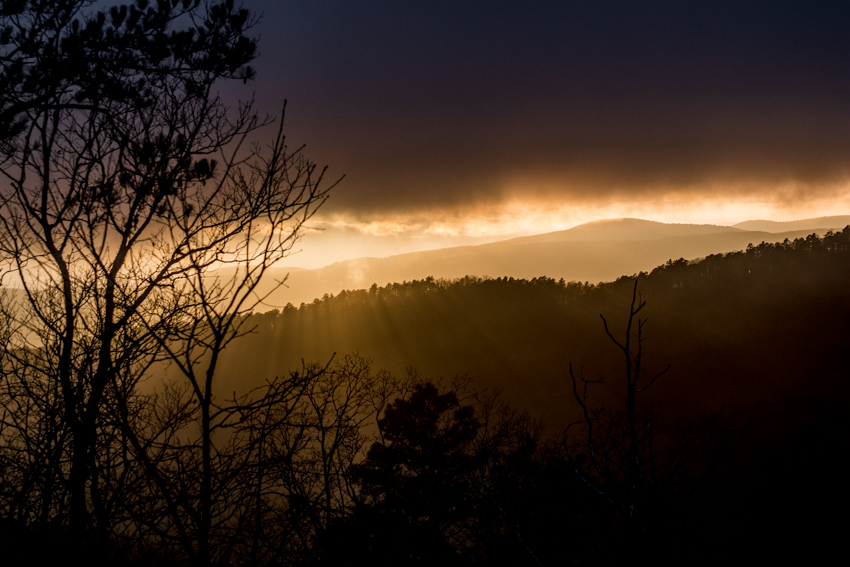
333	237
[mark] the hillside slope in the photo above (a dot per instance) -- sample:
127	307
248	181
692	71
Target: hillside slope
624	229
834	222
578	259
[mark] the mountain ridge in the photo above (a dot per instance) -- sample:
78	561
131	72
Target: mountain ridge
573	260
623	229
834	222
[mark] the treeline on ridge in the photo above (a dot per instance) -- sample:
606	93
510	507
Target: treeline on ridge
800	254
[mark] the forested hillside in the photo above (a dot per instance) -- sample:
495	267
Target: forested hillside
767	324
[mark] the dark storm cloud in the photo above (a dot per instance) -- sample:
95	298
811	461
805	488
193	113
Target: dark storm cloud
436	104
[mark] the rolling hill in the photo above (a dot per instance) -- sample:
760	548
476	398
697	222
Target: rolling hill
835	222
594	252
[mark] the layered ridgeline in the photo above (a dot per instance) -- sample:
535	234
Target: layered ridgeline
593	252
766	326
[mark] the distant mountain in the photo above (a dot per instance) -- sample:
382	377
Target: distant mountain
586	253
624	229
836	222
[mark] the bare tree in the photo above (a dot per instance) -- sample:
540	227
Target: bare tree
136	222
313	446
269	473
614	454
655	474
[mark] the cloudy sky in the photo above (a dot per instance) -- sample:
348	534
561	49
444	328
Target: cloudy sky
464	121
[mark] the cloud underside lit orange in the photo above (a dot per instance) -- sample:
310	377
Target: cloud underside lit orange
783	164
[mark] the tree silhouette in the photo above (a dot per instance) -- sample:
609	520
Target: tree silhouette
441	484
647	474
614	453
311	447
127	182
419	478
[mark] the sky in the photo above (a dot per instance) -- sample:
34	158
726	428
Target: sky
466	121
